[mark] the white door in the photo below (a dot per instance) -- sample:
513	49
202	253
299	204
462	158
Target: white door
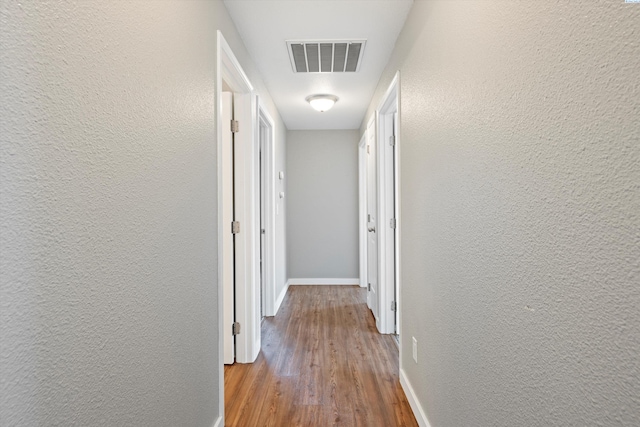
372	223
227	238
263	226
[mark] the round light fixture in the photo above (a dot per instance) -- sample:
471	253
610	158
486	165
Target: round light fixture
322	103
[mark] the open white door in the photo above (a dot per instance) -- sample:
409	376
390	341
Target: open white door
226	164
372	223
238	261
388	220
267	206
387	137
262	194
246	214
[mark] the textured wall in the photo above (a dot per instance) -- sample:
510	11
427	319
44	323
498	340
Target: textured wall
108	215
520	221
322	204
281	218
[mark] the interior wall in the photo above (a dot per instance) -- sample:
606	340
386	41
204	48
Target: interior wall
519	182
281	208
108	218
322	205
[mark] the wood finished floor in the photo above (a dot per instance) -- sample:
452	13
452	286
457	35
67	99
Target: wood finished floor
322	363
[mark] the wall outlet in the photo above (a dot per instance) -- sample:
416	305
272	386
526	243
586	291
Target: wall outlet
415	349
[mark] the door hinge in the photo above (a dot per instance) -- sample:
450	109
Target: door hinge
235	126
394	306
392	140
235	328
235	227
368	149
369	287
392	223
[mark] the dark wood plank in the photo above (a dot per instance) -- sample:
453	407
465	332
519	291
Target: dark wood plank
322	363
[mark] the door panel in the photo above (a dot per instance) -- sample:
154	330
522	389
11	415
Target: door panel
387	221
263	225
372	223
227	237
246	242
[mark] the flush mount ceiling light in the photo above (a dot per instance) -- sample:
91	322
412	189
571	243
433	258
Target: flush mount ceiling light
322	103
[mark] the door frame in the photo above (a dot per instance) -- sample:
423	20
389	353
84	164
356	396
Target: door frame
362	202
269	165
388	202
248	341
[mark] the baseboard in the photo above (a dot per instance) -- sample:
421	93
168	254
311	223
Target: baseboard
294	282
418	412
218	422
280	298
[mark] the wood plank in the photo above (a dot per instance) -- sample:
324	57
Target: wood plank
322	363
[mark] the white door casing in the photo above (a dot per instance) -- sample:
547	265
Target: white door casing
372	221
396	294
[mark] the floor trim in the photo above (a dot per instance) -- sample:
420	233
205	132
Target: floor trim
280	298
325	281
418	412
218	422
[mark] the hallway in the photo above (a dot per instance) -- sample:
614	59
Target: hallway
517	184
322	363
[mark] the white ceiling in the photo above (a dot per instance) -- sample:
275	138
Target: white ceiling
265	25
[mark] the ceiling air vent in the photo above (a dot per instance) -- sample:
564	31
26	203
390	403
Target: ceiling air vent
326	56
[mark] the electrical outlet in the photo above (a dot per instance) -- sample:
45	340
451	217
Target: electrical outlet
415	349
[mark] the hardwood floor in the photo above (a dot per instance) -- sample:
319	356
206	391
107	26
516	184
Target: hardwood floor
322	363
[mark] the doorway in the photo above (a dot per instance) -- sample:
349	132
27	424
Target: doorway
379	212
388	146
238	268
267	206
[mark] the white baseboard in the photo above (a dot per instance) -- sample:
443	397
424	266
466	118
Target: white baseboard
418	412
294	282
218	422
281	297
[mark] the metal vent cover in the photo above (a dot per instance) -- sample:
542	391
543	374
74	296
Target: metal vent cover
325	56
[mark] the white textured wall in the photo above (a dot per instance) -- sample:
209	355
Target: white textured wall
520	198
322	204
108	214
281	217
